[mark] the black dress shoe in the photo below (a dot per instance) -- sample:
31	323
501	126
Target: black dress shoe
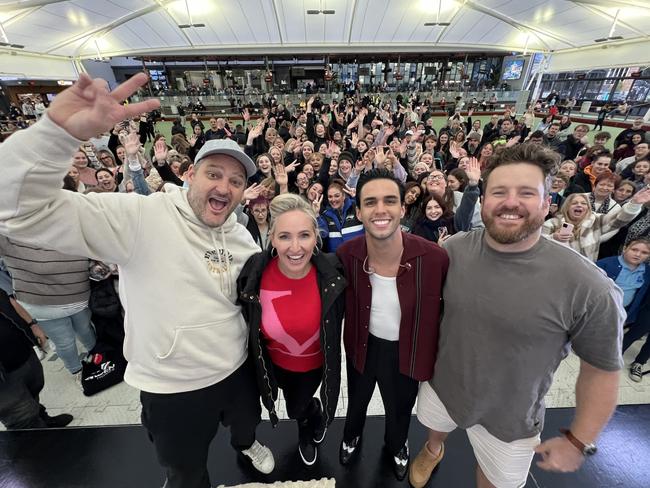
58	420
401	462
349	450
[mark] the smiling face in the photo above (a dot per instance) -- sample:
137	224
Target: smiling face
264	165
443	139
433	210
436	183
514	205
73	173
315	191
412	194
302	182
380	209
106	181
294	238
216	187
335	197
80	160
604	189
600	165
487	151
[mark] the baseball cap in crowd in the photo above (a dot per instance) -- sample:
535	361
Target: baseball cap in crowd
409	133
229	148
474	135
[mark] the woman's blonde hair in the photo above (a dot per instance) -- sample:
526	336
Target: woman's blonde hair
567	204
287	202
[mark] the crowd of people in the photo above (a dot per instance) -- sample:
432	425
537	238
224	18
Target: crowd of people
363	209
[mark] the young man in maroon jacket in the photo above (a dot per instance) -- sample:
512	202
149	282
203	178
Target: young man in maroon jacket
392	314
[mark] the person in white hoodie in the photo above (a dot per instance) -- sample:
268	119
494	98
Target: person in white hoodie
179	254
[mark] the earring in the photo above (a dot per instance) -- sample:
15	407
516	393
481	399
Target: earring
276	252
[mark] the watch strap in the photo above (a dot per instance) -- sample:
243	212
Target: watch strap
583	448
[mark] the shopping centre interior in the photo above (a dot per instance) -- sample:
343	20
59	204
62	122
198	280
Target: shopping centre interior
584	62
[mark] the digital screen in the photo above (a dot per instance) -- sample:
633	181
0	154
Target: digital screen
513	69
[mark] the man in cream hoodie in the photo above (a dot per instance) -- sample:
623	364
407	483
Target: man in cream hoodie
179	254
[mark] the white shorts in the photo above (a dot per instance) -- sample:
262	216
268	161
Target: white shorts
505	464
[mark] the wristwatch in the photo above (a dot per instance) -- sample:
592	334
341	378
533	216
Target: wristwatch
585	449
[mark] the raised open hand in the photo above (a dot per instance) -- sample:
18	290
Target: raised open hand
253	191
89	108
131	144
280	172
160	151
473	171
642	196
246	115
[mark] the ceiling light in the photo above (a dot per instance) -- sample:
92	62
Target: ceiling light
187	26
605	39
432	24
321	10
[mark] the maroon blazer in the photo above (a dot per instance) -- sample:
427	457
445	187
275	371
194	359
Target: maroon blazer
419	287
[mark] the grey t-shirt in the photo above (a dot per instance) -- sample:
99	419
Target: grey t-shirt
509	320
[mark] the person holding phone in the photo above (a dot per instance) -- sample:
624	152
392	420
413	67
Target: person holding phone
588	227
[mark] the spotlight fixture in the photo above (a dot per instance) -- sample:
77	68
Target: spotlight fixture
321	10
611	36
437	22
187	26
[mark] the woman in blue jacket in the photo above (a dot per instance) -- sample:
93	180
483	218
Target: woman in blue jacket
631	273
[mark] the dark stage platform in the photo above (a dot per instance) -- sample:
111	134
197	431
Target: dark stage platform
122	457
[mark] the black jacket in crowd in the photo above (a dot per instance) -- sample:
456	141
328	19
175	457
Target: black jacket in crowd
331	284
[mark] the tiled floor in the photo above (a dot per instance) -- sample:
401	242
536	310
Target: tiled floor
121	405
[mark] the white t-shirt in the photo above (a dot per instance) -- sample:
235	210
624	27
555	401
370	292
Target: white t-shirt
385	312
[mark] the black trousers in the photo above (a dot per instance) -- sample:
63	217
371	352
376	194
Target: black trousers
398	392
633	334
299	389
182	425
19	391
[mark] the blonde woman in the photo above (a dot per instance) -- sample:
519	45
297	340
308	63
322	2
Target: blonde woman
297	352
589	227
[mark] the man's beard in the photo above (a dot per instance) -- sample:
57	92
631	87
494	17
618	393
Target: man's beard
512	236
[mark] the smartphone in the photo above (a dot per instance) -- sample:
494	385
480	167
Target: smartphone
566	230
442	231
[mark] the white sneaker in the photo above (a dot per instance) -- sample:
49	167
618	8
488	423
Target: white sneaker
77	380
261	457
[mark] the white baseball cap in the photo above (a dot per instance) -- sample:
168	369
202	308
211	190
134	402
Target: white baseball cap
229	148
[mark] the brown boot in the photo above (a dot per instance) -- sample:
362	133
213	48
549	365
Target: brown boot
423	465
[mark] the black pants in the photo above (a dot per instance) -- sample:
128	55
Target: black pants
19	391
299	389
398	392
633	334
182	425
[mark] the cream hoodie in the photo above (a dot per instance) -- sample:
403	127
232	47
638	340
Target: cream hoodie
177	276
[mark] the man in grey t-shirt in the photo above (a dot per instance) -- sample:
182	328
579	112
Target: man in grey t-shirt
514	304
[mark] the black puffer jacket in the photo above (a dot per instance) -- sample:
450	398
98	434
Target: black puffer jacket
331	284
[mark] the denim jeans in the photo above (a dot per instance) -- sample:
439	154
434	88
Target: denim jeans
63	332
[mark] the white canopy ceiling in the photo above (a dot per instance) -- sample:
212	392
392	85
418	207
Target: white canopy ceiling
84	28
